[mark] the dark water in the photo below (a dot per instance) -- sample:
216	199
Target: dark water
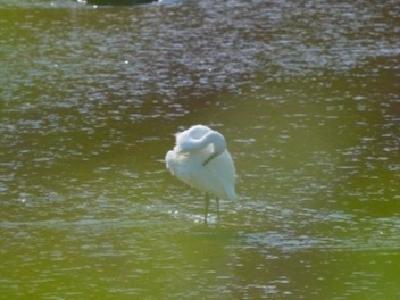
307	96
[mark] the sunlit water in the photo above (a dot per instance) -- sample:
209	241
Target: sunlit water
307	95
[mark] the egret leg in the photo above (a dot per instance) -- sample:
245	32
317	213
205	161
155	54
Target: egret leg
218	209
206	208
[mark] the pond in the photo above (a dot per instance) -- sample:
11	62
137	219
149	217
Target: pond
307	95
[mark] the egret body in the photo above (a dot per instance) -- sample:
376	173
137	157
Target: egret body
200	159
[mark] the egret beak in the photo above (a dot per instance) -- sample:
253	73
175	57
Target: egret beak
212	156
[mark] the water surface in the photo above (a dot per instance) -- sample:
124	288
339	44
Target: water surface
307	96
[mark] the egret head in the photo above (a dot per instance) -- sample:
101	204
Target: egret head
218	140
200	137
219	143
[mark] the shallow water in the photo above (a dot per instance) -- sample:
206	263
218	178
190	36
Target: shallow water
307	96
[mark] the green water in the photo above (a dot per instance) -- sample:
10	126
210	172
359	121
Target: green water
307	96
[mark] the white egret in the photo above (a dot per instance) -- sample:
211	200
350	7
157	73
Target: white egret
201	160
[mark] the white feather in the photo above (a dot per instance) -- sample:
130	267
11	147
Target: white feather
186	162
